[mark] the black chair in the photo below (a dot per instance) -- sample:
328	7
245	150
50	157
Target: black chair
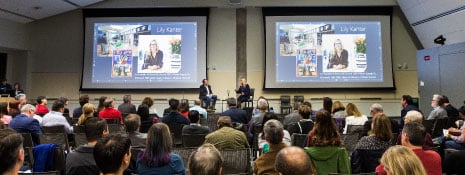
28	144
236	161
428	124
55	138
249	102
285	104
79	129
116	128
193	140
360	129
54	129
58	159
438	126
79	139
298	140
184	153
365	161
176	130
350	140
299	98
112	121
212	121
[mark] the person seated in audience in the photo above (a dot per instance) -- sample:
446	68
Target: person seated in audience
56	118
402	160
455	137
25	123
453	162
184	107
81	160
376	109
87	112
274	133
132	123
438	110
305	124
327	104
313	113
109	112
377	141
157	157
415	116
149	102
11	152
338	110
4	117
112	154
174	117
171	104
407	105
325	132
413	137
257	119
195	127
65	112
143	111
261	137
22	99
77	112
355	117
237	115
127	107
203	113
15	107
227	137
452	112
17	89
293	117
41	106
293	160
206	160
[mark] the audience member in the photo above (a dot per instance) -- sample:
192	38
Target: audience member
109	112
206	160
184	107
325	132
376	109
456	137
413	137
407	105
146	120
305	124
87	112
4	113
398	160
14	108
4	86
174	117
237	115
206	94
273	130
65	112
100	105
171	102
243	91
438	111
338	110
11	152
195	127
17	89
313	113
355	117
41	106
227	137
293	160
157	158
77	112
293	117
22	99
56	118
127	107
452	112
262	138
327	104
203	113
132	123
257	119
81	161
24	123
415	116
112	154
149	102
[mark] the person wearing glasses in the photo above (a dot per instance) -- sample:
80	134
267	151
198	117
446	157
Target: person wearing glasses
339	57
25	123
154	57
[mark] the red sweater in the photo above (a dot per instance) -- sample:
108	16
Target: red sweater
430	160
110	113
41	109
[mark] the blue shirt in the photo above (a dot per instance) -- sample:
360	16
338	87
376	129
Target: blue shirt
175	166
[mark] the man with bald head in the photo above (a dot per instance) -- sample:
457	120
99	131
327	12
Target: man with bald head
293	161
205	160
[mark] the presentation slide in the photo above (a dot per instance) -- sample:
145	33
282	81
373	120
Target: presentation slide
144	53
322	52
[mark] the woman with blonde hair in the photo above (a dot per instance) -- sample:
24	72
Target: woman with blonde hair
87	112
400	160
355	117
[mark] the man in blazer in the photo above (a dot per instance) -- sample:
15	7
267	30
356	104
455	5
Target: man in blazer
206	94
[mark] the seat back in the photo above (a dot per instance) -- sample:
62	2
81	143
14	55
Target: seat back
79	129
285	104
236	161
350	140
176	130
438	126
55	138
184	153
116	128
212	121
112	121
340	123
54	129
79	139
299	98
42	158
193	140
366	159
28	144
298	140
428	124
360	129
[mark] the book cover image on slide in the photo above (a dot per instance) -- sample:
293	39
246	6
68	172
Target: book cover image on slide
121	63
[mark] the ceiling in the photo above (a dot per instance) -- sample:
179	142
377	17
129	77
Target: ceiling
25	11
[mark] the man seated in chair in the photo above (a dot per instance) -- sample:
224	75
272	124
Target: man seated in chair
197	107
293	160
194	127
112	154
206	160
274	133
237	115
305	124
206	94
81	160
25	123
132	123
11	152
227	137
174	117
127	107
56	118
109	112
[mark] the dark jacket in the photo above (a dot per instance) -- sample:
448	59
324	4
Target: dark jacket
237	115
23	124
175	118
365	160
203	91
81	161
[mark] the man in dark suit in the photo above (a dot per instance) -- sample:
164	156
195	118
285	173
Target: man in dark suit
25	123
195	127
237	115
206	94
127	107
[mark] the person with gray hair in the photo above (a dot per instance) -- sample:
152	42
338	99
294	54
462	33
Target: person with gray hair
415	116
22	99
376	109
293	160
132	123
25	123
237	115
206	160
197	107
127	107
274	133
109	112
438	111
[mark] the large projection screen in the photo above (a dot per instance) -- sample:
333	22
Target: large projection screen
144	52
336	51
